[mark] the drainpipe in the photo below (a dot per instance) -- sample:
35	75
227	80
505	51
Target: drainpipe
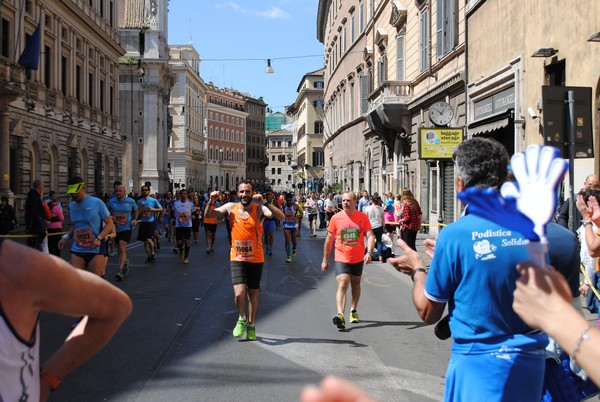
429	47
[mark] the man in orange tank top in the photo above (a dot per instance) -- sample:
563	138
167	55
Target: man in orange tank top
247	257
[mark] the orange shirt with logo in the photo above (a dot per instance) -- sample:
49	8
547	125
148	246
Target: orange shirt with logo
246	235
349	233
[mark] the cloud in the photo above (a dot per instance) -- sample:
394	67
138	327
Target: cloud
271	13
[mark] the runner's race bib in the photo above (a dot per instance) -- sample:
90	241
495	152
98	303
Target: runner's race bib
183	217
244	250
120	218
350	237
84	237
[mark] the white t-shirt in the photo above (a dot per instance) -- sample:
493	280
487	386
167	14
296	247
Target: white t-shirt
375	214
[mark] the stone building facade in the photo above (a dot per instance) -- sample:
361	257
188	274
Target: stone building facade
256	161
226	138
62	119
187	121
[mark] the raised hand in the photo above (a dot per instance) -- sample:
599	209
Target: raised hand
538	172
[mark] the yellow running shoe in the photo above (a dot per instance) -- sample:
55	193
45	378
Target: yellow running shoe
354	317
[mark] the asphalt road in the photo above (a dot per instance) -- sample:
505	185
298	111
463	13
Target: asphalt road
177	345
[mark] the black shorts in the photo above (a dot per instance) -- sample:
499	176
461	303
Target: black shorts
210	227
87	257
195	225
183	233
249	273
146	231
124	235
312	217
350	269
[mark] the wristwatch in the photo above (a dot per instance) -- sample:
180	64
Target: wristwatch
588	223
98	238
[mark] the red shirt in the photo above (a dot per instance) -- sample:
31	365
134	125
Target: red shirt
349	232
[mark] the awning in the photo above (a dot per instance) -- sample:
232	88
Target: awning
490	124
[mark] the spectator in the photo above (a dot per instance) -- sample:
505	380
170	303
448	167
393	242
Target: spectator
37	214
8	220
55	225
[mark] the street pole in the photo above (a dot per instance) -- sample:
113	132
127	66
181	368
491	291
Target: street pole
571	141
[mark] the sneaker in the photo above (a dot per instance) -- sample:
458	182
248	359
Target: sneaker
240	326
293	253
212	249
299	234
354	317
148	260
186	260
289	259
339	321
158	244
176	250
208	250
153	258
119	275
315	234
113	252
126	266
250	333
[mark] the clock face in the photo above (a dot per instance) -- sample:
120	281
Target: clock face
441	113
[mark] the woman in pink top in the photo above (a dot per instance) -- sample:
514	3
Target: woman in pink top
55	225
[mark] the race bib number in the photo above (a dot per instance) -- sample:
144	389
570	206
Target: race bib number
183	217
120	218
290	215
84	237
244	250
350	237
146	212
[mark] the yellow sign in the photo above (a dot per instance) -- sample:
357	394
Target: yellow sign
439	143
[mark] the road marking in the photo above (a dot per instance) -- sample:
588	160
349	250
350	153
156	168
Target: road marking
355	361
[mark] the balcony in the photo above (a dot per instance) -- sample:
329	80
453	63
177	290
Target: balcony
12	77
388	115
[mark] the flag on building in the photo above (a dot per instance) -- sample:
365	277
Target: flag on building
30	58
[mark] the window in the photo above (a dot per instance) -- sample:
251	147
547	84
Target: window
344	38
318	127
278	170
445	27
361	17
352	34
352	101
272	170
91	89
381	70
400	57
47	66
319	85
78	83
5	40
364	93
272	158
424	47
318	104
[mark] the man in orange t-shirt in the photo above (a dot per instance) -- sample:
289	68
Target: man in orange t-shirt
348	228
247	256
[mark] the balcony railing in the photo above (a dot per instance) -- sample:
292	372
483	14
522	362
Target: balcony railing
392	91
12	78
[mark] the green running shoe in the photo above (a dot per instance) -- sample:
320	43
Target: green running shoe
250	333
294	253
289	259
354	317
339	321
119	275
240	326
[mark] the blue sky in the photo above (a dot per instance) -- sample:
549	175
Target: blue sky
253	30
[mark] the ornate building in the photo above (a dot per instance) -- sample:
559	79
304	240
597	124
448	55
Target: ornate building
255	142
187	117
226	138
144	88
60	118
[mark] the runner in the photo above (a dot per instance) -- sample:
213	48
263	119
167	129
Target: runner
246	254
313	210
92	224
300	213
167	204
329	205
184	210
269	226
210	230
290	225
147	206
348	229
122	208
196	217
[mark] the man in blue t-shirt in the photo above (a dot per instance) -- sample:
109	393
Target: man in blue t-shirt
495	355
147	208
122	209
92	224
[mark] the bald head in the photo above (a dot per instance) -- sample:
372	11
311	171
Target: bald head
591	181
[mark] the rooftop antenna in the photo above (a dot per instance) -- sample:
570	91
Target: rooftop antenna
191	40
